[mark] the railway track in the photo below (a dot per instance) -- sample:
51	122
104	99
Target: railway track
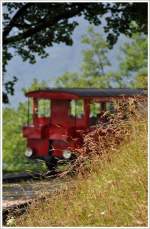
17	196
15	210
11	178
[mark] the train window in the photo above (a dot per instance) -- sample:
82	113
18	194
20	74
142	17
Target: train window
44	108
94	109
110	107
102	106
77	108
94	112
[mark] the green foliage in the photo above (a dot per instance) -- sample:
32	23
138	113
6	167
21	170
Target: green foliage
133	64
141	81
36	85
95	57
69	79
40	25
14	145
95	61
133	73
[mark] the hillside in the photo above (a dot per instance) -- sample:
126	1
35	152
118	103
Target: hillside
114	193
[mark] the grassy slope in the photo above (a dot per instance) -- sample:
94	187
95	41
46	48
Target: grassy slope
114	194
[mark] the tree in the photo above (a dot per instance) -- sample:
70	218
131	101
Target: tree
14	145
134	63
36	85
95	60
29	28
93	69
132	71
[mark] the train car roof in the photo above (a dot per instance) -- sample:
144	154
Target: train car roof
76	93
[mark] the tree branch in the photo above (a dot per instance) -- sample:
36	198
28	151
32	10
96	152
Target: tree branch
13	21
44	24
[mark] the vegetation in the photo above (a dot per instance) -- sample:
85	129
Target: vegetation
40	25
112	193
111	186
132	71
93	67
14	145
134	63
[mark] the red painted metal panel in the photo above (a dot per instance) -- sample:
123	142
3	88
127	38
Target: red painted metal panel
39	146
52	95
32	132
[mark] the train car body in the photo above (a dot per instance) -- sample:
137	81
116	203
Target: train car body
56	132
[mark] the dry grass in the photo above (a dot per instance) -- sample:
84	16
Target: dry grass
111	192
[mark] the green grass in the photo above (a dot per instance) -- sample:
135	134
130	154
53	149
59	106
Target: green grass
114	193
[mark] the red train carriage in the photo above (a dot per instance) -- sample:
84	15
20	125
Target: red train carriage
60	115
